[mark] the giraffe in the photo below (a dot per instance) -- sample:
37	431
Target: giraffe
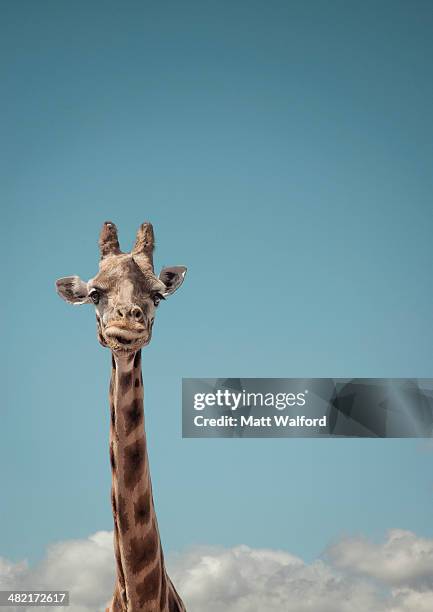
126	293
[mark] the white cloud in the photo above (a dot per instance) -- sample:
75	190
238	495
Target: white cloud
403	560
407	600
10	573
84	567
242	579
355	575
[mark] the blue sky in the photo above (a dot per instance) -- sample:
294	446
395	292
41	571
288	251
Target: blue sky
283	152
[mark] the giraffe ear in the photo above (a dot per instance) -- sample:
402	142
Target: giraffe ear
172	278
73	290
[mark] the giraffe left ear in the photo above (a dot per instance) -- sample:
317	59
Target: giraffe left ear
172	278
73	290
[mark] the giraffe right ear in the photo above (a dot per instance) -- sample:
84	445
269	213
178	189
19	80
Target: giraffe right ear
73	290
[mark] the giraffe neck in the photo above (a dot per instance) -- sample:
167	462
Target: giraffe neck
142	582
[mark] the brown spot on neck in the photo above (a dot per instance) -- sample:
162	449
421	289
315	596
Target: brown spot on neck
148	588
134	457
133	415
125	381
142	510
142	551
137	359
112	458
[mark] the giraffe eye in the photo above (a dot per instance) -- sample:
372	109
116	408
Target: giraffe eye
157	297
94	296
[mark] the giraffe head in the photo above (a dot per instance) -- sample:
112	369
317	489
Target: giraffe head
125	292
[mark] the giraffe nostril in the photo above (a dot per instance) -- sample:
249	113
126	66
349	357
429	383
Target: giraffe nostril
120	313
137	313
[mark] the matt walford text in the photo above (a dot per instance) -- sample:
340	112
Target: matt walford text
246	401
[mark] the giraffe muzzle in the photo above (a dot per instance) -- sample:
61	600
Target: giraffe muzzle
126	336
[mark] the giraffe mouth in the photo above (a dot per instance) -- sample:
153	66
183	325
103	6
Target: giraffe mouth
121	340
126	337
